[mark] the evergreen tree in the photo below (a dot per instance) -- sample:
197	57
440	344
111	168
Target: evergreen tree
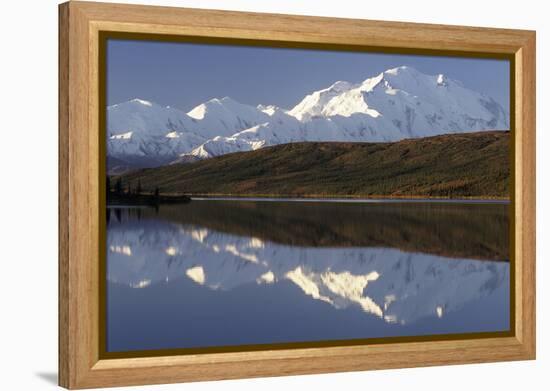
118	186
108	184
138	189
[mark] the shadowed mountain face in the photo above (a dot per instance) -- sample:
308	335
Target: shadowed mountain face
478	231
219	273
453	165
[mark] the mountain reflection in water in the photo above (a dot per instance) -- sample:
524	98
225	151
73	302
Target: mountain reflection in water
220	273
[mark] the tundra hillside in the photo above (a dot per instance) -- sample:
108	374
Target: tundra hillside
466	165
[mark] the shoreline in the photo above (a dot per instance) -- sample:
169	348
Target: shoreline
332	196
173	198
354	199
145	199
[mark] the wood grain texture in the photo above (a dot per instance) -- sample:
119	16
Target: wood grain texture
79	188
63	221
526	188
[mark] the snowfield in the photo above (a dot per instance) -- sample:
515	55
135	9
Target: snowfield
397	104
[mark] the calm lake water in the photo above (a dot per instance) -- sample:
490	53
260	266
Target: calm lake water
230	272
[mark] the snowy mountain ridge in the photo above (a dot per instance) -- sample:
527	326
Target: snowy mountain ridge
396	104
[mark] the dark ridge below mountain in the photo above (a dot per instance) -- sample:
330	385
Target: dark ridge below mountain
465	165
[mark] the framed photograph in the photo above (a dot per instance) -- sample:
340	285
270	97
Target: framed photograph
247	195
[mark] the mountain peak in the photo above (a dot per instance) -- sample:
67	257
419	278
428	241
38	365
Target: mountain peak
406	74
313	104
370	83
396	104
222	107
136	102
198	112
142	102
225	99
403	69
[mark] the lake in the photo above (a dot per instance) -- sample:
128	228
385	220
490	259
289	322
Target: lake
246	272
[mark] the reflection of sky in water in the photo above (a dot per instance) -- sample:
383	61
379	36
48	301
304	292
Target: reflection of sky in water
174	285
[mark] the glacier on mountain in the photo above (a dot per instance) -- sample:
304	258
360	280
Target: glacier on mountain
396	104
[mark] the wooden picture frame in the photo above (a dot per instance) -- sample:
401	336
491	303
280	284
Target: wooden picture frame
80	165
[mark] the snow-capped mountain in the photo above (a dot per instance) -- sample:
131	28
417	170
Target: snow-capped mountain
394	285
224	117
143	133
396	104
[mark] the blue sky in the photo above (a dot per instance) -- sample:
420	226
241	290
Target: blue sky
184	75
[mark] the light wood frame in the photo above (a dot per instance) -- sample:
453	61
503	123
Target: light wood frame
80	153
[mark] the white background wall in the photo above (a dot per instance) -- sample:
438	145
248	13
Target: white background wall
28	216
